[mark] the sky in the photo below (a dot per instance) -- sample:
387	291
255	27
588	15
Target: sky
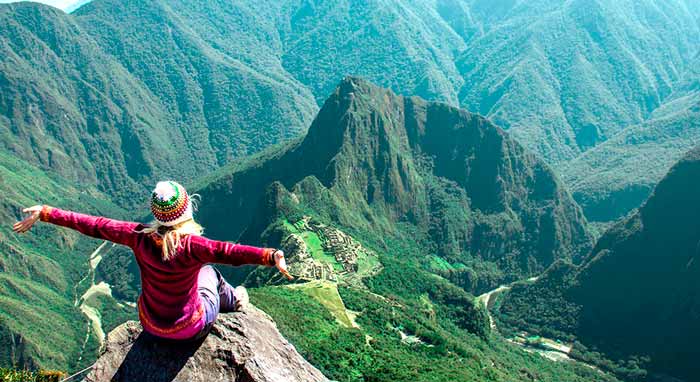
61	4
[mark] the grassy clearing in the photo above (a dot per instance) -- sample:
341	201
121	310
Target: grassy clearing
314	244
326	293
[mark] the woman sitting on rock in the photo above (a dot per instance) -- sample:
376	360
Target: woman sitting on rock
181	295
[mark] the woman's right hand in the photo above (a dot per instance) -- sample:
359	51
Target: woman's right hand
26	224
281	264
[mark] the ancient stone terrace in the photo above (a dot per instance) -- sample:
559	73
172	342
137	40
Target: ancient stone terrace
335	242
304	266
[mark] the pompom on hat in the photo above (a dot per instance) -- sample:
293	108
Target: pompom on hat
170	203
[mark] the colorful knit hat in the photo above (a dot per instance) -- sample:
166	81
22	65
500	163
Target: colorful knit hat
170	203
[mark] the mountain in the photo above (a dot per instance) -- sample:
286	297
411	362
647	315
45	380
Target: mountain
354	203
98	104
564	76
373	161
242	346
203	83
47	317
618	175
388	210
406	46
636	295
593	86
76	4
72	105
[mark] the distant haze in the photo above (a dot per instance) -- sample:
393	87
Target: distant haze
66	5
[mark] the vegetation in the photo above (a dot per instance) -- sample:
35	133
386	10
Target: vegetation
40	324
139	79
375	351
412	190
616	177
327	294
631	305
13	375
384	206
97	105
121	104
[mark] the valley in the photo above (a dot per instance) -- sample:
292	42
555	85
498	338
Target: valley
551	349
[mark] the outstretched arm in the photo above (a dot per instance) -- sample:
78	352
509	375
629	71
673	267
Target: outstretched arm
117	231
222	252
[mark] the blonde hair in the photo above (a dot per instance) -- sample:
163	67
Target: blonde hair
171	236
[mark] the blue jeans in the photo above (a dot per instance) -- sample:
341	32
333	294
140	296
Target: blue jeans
215	294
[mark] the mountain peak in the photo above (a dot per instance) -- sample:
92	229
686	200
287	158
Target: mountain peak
353	84
381	160
242	346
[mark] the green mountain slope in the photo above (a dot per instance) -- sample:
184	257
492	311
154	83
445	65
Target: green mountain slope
618	175
565	76
406	46
118	111
68	108
203	83
395	202
212	66
45	273
122	93
637	293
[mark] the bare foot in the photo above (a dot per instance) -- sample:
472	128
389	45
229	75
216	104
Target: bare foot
242	298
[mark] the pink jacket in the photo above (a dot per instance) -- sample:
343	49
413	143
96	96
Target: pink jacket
169	304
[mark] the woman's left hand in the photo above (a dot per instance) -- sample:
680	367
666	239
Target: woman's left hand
281	264
26	224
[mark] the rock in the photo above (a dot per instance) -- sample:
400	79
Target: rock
244	346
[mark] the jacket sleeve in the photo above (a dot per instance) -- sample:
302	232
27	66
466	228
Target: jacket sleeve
116	231
222	252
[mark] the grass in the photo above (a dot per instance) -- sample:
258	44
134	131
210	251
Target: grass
326	293
439	264
313	244
375	352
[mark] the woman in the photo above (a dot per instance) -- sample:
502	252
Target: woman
181	295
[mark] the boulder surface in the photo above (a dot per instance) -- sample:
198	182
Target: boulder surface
244	347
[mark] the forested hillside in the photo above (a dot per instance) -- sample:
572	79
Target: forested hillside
390	227
635	298
384	166
202	83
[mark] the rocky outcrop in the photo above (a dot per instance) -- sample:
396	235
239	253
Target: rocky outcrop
243	347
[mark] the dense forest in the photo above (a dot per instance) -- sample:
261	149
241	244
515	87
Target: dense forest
635	297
